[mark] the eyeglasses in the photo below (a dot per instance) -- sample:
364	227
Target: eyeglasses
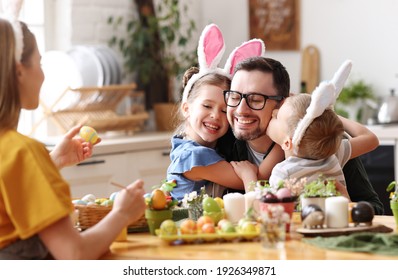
255	101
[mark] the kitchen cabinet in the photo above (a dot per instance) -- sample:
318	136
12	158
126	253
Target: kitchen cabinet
95	174
382	163
123	160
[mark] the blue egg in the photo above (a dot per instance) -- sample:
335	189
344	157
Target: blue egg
113	196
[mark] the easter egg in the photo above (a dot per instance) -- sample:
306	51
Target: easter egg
210	205
283	193
89	198
168	227
159	200
79	202
188	226
113	196
219	201
88	134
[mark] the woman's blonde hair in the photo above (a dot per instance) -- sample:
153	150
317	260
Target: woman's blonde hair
10	104
322	137
213	79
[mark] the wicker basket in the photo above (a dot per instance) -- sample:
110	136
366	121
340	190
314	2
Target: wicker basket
89	215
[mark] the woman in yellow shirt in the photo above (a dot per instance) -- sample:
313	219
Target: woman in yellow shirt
35	202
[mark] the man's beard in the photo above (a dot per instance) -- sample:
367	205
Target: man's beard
248	135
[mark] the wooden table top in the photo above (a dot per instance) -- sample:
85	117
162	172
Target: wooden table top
147	247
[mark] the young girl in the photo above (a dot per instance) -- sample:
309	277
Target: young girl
35	202
311	135
194	160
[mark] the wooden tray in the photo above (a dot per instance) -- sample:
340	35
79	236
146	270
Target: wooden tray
96	107
328	232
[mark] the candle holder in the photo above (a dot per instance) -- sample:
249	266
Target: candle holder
273	227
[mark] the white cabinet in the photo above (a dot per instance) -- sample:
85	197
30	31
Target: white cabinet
150	166
95	174
122	160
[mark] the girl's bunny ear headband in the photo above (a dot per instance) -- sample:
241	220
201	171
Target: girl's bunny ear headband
322	98
210	51
11	9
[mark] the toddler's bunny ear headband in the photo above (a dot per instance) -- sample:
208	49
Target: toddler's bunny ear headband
323	97
11	9
210	51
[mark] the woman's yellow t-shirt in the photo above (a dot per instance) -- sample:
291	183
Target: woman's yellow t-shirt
33	194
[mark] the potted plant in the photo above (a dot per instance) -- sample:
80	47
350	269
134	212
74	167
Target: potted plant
354	100
317	191
154	48
392	188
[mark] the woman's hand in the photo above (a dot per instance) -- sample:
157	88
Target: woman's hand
71	150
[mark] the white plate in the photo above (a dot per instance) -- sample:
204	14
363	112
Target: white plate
89	66
113	62
60	73
106	67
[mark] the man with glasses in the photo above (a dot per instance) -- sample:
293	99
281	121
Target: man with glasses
258	86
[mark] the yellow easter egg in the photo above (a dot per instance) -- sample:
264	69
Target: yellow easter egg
88	134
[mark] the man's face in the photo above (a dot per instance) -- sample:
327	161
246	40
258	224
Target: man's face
246	123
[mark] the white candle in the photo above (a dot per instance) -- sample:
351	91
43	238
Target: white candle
252	201
234	206
336	212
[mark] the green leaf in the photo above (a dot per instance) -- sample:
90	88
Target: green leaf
391	186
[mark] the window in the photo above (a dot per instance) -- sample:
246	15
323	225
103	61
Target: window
32	13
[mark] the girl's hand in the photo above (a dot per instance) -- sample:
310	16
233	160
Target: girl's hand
71	150
245	170
130	201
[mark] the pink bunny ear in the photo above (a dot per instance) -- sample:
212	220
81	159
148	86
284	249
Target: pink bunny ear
211	47
210	51
252	48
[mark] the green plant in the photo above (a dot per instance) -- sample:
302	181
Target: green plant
320	188
154	46
353	92
392	188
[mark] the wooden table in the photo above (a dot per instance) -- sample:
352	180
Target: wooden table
147	247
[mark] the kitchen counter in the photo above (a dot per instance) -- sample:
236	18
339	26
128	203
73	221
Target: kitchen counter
137	142
121	143
385	132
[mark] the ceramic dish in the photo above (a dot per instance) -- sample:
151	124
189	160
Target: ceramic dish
327	232
113	63
89	66
208	237
106	66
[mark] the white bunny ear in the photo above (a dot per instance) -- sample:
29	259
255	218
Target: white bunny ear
12	7
341	76
11	10
252	48
321	98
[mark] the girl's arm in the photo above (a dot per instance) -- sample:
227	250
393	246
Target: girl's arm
71	150
65	242
363	140
274	157
221	173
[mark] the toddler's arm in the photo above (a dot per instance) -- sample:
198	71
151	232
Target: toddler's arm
363	140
